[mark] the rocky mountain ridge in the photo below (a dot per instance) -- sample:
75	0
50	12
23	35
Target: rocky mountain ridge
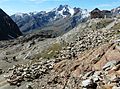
8	28
39	20
52	22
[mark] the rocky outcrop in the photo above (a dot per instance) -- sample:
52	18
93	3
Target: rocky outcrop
8	28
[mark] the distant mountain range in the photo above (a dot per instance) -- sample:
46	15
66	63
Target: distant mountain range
62	18
116	11
50	24
8	28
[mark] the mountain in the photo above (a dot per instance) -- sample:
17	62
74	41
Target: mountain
116	11
8	28
28	22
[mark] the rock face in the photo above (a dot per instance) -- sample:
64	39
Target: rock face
8	28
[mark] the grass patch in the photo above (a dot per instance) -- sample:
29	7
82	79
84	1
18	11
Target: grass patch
116	26
101	24
118	17
51	52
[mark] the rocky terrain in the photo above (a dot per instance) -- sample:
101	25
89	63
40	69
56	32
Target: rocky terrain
87	57
8	28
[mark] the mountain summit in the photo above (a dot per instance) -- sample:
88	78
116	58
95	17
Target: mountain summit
65	10
8	28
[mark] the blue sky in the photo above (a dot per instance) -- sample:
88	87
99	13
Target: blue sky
15	6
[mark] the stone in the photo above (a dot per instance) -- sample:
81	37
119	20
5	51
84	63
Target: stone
29	86
116	79
12	82
109	65
116	68
88	74
98	73
18	84
1	71
14	58
68	48
96	79
20	69
89	83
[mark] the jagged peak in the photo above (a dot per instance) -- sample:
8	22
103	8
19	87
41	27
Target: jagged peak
64	10
62	6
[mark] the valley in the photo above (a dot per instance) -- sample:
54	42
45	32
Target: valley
85	56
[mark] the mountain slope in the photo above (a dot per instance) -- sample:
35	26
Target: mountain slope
8	28
39	20
85	57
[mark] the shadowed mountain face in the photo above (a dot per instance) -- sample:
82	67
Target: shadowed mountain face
8	28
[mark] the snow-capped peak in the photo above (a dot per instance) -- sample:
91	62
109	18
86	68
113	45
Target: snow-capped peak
85	13
71	10
34	20
19	14
64	10
116	10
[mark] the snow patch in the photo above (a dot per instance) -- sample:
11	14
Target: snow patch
19	14
71	11
85	13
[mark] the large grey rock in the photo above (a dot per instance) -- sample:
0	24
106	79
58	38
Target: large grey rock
89	83
110	64
29	86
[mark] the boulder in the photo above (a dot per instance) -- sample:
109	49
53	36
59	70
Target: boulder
110	64
89	83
